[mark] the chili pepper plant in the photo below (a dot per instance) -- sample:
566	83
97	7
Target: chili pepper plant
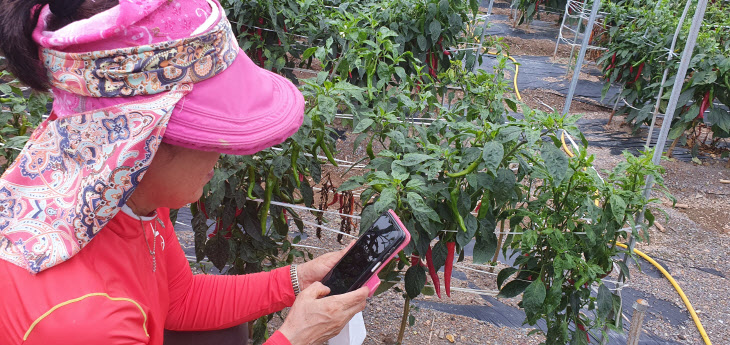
20	112
276	34
382	73
554	213
641	33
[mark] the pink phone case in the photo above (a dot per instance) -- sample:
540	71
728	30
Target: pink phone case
374	282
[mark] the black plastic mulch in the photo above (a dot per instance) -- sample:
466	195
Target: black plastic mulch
538	29
537	72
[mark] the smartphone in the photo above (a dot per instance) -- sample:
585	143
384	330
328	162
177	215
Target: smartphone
370	253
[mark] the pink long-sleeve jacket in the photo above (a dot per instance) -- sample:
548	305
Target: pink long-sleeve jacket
109	294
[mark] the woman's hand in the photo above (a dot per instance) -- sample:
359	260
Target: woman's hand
313	319
313	271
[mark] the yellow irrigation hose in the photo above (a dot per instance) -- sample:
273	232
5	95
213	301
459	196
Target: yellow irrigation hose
565	146
676	287
517	71
659	267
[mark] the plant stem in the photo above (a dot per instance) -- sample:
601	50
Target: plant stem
404	320
499	246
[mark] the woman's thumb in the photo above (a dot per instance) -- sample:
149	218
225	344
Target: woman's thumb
316	290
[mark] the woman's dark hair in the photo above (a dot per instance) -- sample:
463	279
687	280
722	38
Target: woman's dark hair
18	18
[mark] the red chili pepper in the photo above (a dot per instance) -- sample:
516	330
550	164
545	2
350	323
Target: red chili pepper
334	200
612	65
428	62
435	64
450	249
201	208
583	328
432	272
228	233
638	73
215	231
704	105
446	52
415	260
479	205
349	74
301	177
286	219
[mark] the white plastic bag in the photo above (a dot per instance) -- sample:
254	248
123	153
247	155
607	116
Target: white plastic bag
354	332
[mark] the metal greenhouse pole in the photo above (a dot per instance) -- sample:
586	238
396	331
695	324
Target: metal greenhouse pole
671	107
581	55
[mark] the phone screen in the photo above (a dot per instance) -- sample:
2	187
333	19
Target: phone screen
365	256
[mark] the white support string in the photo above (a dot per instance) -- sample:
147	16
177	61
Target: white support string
485	272
490	293
303	70
283	204
318	156
305	246
325	228
317	189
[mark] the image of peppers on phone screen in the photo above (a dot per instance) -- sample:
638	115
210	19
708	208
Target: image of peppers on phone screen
370	252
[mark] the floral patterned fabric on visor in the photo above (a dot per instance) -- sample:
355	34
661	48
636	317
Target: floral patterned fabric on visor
76	172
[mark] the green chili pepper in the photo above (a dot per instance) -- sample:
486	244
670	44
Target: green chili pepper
267	200
639	62
295	170
369	148
468	169
484	206
251	181
455	208
317	144
328	153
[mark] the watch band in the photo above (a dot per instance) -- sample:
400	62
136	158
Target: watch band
294	279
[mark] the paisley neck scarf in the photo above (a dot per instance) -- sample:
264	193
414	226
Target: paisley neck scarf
76	172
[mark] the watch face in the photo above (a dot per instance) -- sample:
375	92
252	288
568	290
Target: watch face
374	246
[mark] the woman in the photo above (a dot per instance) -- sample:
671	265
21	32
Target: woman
148	93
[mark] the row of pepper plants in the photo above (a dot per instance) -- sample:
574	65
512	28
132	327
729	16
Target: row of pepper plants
529	10
640	37
386	64
441	151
